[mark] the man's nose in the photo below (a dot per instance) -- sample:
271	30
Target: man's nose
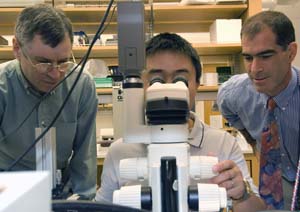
256	65
55	72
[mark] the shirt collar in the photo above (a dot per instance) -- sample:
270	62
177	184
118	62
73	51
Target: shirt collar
197	133
283	98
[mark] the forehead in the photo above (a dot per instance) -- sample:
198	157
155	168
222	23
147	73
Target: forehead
37	48
261	41
169	61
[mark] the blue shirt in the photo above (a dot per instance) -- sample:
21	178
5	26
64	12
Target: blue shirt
245	108
75	127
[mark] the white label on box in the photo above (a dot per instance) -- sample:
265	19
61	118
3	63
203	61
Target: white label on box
200	109
226	31
216	121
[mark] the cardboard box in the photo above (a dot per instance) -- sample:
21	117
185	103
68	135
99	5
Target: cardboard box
226	31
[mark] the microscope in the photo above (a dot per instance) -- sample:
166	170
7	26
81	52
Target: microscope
46	160
159	119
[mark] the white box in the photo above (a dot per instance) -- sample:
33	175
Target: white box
20	3
231	1
25	191
187	2
210	79
196	37
226	31
216	121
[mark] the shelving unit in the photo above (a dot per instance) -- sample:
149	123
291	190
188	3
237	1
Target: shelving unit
170	16
110	53
167	17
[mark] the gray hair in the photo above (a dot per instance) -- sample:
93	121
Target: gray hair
44	20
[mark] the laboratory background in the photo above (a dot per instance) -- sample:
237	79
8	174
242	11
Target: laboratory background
211	26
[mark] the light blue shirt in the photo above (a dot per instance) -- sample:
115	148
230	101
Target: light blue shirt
245	108
75	127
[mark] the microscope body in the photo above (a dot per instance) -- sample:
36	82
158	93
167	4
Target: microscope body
159	119
168	166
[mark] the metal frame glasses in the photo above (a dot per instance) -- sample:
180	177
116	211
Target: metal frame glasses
47	67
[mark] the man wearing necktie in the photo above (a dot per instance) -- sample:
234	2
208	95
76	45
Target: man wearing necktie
270	183
268	49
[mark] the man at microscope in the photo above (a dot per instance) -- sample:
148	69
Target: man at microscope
169	56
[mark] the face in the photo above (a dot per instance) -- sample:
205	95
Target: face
168	66
268	64
37	52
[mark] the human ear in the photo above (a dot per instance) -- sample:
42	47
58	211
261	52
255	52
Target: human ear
16	48
292	51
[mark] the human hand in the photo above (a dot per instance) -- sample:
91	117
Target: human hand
2	188
230	177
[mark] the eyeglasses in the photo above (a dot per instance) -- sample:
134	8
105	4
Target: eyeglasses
47	67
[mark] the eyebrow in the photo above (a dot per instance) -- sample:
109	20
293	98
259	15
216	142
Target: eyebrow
38	58
154	71
157	71
260	53
182	71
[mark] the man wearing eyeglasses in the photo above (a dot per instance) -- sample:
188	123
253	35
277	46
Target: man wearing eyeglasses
33	87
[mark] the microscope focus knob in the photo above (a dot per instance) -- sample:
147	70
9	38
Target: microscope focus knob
201	167
134	169
211	197
129	196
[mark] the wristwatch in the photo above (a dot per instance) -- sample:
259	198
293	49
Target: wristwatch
247	193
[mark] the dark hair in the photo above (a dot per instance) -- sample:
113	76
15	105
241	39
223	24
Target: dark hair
279	23
49	22
174	43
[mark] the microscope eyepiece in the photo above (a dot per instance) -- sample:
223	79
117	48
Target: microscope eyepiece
181	79
157	79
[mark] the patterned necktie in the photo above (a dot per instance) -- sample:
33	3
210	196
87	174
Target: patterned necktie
270	182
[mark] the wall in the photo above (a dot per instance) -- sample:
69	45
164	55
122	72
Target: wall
292	11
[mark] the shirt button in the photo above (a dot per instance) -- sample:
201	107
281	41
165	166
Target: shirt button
288	168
